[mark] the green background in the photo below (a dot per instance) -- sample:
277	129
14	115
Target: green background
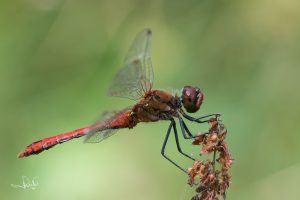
57	59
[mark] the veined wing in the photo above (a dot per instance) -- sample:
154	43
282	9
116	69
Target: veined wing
98	131
99	135
136	76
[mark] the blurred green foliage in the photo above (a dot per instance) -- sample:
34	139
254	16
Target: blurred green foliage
57	59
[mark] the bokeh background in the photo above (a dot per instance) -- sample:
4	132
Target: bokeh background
57	59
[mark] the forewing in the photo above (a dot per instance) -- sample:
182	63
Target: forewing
140	52
136	76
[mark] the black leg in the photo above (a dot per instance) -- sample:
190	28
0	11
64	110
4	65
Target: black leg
185	130
199	119
177	140
164	147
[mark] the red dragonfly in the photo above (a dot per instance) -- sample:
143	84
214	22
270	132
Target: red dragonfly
134	81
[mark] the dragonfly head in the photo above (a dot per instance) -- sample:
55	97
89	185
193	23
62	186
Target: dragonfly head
191	98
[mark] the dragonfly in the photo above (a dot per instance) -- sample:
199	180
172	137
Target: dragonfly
134	80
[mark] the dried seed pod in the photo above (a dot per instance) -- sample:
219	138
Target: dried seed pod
213	184
213	137
199	139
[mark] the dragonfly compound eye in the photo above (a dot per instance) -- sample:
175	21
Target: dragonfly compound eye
192	98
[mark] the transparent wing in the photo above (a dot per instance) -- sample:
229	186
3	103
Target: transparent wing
98	136
140	54
136	76
98	131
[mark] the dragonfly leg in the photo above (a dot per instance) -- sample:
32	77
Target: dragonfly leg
164	147
177	141
200	119
184	129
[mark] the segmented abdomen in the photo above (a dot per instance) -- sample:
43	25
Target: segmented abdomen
47	143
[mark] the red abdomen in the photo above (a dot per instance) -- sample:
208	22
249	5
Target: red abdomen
117	121
47	143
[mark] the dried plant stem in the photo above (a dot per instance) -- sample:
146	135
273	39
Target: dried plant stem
213	183
214	161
